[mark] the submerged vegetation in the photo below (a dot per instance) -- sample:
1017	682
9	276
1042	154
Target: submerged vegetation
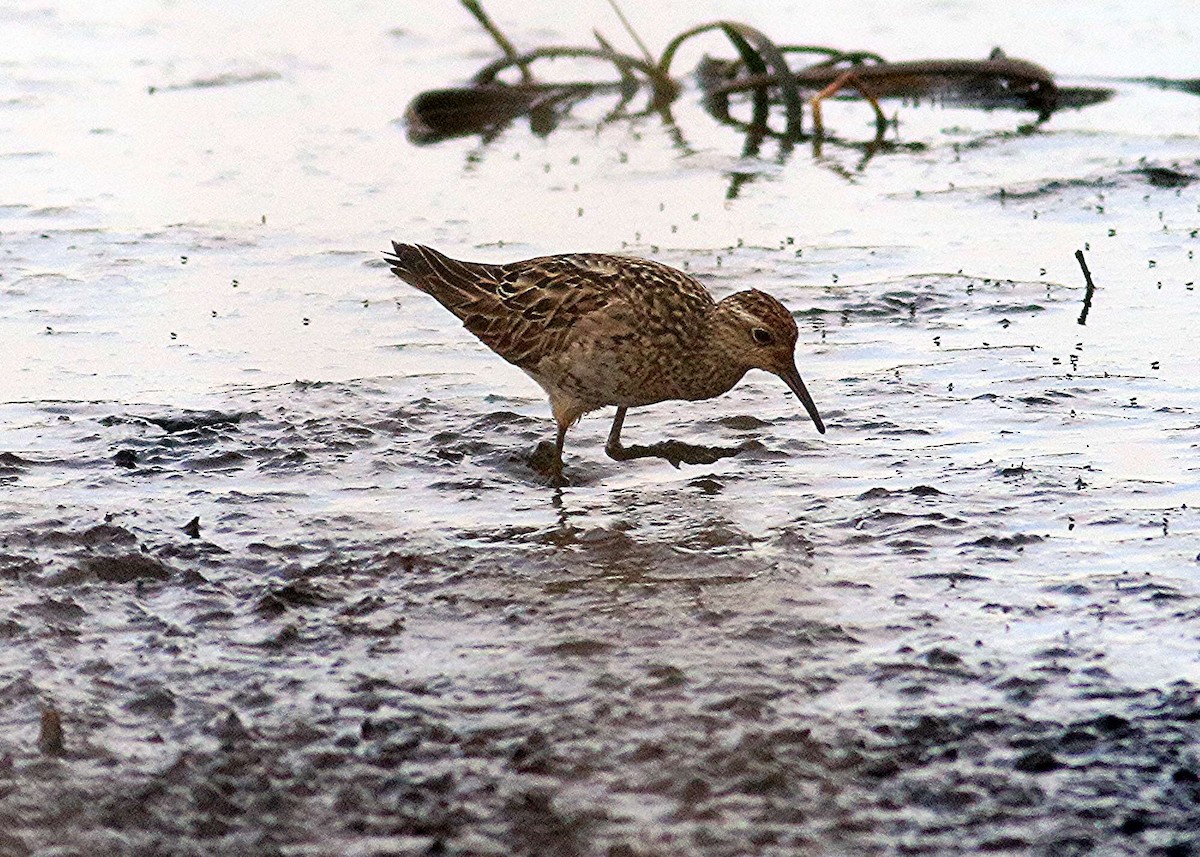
766	72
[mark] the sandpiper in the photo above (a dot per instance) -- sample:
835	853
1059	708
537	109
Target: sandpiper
596	330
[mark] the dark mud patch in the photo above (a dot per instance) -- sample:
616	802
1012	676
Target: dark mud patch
179	421
378	647
586	693
397	771
124	568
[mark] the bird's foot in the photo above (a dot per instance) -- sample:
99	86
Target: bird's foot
675	451
546	462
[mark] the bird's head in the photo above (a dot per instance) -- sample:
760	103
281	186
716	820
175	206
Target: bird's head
759	333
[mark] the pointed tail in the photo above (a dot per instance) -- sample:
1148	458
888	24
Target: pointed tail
426	268
461	287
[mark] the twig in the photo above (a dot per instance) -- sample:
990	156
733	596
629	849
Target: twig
501	40
627	79
664	88
760	56
991	347
632	32
1091	287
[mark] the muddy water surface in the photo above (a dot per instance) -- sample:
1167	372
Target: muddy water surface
271	546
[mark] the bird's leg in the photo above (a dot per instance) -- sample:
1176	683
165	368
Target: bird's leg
547	458
673	451
613	445
557	479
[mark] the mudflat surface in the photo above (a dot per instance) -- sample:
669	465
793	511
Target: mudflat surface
272	548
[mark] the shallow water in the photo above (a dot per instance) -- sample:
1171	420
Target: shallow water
963	620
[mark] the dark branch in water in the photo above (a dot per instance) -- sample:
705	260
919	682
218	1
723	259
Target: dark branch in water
440	114
761	69
996	80
662	85
1091	287
761	56
506	47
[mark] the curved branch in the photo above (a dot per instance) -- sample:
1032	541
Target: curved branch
760	55
665	89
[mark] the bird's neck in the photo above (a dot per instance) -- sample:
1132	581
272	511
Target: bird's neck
715	361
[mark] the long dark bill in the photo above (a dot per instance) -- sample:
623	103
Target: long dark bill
791	377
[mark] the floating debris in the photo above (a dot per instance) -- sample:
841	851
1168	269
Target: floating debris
50	736
1165	176
220	80
1091	287
761	69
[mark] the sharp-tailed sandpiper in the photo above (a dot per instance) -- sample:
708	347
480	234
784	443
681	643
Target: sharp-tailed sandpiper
596	330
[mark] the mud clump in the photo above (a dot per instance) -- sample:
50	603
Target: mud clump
125	568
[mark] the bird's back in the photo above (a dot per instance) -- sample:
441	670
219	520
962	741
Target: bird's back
531	310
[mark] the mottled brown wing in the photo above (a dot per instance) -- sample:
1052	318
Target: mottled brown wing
526	310
472	291
577	297
622	278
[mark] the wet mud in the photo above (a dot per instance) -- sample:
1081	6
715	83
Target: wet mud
279	574
902	642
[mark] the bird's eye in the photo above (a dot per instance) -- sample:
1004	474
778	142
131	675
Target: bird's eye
762	336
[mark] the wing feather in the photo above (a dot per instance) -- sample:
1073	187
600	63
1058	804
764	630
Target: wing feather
527	310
